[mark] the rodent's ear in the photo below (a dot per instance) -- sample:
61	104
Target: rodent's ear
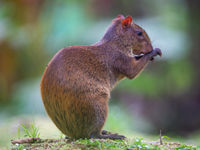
120	16
127	21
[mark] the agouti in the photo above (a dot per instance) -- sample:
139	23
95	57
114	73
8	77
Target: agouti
77	82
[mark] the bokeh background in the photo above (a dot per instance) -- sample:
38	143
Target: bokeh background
165	96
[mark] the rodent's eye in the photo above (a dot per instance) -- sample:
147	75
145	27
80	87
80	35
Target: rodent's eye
139	33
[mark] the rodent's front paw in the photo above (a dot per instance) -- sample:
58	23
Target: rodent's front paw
158	51
155	52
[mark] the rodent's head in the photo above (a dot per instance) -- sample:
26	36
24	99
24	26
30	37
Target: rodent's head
128	35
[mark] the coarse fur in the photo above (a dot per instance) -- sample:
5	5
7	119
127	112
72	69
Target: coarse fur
77	82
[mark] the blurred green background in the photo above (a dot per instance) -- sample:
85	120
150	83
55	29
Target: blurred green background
165	96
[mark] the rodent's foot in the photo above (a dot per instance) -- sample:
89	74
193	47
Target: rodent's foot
110	136
66	137
113	136
104	132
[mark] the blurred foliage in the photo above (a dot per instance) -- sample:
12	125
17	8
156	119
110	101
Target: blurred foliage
157	82
32	31
34	34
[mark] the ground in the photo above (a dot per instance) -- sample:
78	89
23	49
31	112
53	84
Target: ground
98	144
51	138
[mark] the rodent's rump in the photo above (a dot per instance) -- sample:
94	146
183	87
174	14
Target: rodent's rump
77	82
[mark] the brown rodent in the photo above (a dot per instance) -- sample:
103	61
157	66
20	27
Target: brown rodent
77	82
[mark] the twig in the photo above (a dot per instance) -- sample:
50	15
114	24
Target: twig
161	142
26	140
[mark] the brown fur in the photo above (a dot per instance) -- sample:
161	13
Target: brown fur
77	82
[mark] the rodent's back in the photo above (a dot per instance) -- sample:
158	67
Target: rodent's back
77	69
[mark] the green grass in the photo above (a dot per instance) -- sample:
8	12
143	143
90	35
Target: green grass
31	132
19	147
52	138
104	144
96	144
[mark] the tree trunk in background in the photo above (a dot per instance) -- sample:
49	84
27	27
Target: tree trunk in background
194	32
